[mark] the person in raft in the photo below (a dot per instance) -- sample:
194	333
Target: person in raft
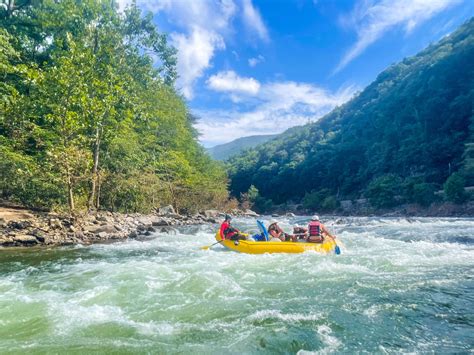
300	233
229	232
317	230
277	234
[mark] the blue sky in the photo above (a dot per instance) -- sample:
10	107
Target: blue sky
261	66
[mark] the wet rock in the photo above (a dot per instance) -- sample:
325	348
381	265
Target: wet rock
151	229
25	239
133	234
159	222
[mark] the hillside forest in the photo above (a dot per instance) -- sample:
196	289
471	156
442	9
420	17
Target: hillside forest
407	136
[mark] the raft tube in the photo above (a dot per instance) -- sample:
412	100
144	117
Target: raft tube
251	247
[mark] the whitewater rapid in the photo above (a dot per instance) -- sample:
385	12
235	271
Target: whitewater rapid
400	285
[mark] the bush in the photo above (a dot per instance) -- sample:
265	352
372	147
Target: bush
383	190
424	194
454	188
330	203
314	200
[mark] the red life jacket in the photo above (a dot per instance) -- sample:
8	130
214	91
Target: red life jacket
226	230
314	228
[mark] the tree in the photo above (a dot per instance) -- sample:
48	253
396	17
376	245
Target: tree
454	188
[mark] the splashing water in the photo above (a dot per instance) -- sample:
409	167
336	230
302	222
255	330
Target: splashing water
400	285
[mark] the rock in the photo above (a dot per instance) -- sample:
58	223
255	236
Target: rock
101	229
163	211
55	223
19	224
290	214
101	219
102	235
25	239
251	213
6	241
159	222
212	213
151	229
146	221
133	234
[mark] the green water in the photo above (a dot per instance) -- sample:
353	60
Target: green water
398	286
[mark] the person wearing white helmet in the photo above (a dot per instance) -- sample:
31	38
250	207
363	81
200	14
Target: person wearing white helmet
275	231
317	231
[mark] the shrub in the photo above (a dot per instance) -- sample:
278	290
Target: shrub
454	188
424	194
383	190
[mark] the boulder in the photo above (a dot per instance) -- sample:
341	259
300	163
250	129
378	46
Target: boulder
101	229
212	213
19	224
250	213
55	223
25	239
166	210
159	222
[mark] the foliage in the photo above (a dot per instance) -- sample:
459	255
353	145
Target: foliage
424	193
413	121
454	188
383	191
88	120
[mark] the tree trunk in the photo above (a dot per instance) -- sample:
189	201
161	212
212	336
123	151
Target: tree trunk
70	191
95	168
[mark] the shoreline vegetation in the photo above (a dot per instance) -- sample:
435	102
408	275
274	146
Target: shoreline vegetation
90	118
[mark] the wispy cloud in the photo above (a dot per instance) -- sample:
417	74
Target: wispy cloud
276	107
372	19
256	60
253	20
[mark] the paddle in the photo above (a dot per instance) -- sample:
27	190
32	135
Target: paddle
209	246
337	250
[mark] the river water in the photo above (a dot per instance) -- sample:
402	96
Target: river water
400	285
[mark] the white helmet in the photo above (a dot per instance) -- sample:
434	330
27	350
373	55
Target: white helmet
315	218
273	221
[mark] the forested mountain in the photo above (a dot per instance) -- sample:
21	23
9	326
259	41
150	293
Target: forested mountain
406	135
89	117
237	146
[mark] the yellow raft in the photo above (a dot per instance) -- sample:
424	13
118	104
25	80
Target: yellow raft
251	247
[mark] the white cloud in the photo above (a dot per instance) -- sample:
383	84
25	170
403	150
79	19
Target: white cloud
372	19
194	55
277	107
229	81
203	26
256	60
253	20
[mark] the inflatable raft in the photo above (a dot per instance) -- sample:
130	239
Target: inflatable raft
251	247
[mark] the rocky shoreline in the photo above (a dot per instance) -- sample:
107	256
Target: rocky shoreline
20	227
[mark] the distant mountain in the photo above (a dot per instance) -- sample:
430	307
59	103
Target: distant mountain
399	140
227	150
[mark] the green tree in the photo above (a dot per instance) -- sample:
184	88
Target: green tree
382	192
454	188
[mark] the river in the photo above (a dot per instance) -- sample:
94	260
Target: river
400	285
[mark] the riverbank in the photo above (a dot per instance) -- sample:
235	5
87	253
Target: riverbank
361	208
22	227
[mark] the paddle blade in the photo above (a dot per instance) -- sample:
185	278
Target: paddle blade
206	247
337	250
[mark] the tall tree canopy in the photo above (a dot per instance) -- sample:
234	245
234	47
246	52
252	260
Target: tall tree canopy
88	113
